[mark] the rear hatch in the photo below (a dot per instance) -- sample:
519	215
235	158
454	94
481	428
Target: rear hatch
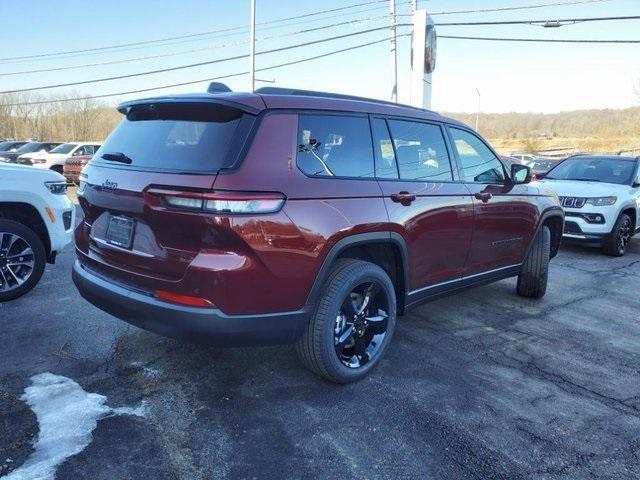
161	146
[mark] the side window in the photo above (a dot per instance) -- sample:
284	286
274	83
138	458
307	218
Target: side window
479	164
335	146
421	152
383	149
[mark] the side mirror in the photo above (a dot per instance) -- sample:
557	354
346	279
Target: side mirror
520	174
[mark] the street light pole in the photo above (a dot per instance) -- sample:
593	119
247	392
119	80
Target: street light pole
478	110
394	51
252	47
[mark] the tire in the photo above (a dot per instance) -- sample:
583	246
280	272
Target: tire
532	281
21	238
616	243
319	345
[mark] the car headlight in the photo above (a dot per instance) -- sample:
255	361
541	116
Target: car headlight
57	188
602	201
38	160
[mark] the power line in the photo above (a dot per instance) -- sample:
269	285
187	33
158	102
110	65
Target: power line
211	47
199	64
543	40
522	7
245	29
286	64
555	23
192	35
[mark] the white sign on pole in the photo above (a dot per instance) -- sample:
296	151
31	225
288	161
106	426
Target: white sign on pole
423	59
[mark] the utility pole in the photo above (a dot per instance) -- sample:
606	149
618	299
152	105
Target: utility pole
478	110
394	51
252	47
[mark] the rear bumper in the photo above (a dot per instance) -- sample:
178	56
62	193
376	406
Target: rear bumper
203	325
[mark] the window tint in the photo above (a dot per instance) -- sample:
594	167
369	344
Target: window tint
479	164
187	137
421	151
383	149
331	145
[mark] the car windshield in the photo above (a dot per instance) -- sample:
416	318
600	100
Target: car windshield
4	146
606	170
64	148
29	147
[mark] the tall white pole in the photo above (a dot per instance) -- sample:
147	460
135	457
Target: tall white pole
394	51
478	110
252	46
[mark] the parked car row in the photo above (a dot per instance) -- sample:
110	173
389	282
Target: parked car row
49	155
537	163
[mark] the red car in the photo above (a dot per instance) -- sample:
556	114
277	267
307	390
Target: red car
73	166
76	162
288	216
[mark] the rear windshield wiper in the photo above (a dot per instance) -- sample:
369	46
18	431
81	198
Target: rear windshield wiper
117	157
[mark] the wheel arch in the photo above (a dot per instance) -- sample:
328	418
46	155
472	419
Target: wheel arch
553	218
631	211
555	223
27	215
385	249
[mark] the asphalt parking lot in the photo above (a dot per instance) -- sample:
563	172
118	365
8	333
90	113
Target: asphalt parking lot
481	385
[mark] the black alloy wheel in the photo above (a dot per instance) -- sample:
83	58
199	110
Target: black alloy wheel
353	322
623	235
361	325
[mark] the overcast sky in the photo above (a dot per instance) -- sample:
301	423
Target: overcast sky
510	76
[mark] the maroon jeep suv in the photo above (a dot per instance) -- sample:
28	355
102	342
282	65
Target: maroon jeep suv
289	216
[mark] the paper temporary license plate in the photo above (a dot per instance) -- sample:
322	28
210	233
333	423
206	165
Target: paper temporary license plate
120	231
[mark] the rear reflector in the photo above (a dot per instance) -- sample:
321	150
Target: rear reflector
183	299
222	202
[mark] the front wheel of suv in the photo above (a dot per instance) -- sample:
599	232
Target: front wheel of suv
22	259
616	244
532	281
353	323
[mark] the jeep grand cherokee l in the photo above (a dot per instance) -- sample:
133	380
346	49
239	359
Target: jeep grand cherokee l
287	216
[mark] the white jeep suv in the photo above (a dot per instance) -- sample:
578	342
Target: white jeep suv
56	158
601	199
36	222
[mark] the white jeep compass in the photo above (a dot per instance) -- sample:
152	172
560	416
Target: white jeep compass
601	199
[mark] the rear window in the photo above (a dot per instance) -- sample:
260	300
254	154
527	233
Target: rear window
188	137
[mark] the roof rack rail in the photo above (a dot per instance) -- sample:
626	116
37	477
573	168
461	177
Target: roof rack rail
312	93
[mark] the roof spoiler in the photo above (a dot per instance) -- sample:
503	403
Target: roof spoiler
217	87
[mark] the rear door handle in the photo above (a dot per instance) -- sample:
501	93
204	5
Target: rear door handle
484	196
403	198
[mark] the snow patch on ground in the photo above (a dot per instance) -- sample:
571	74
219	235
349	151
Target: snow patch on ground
149	372
67	416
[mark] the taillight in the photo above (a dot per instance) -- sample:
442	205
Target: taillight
220	202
